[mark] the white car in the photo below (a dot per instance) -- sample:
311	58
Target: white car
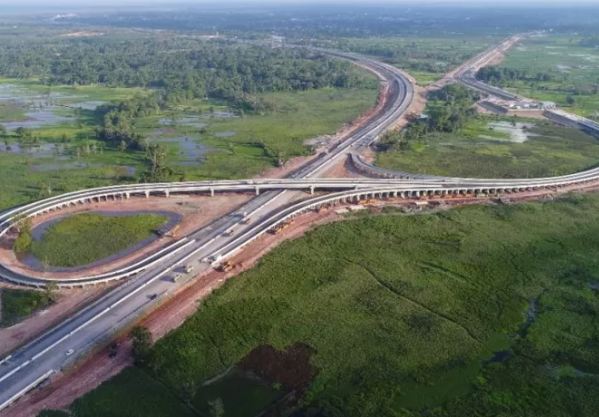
70	352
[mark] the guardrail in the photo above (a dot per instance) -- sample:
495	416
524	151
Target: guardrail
28	388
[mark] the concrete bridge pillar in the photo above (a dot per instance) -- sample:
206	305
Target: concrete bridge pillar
128	195
257	190
312	190
211	191
167	193
147	193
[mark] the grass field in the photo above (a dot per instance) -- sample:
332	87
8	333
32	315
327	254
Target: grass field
573	68
259	140
483	151
18	304
86	238
407	314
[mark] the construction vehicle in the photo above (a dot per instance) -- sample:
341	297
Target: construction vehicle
322	209
188	269
245	220
177	277
225	266
368	201
279	228
169	233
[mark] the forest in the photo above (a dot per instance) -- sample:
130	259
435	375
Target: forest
448	111
184	68
496	75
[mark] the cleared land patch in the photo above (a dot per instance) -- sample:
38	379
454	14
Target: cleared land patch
86	238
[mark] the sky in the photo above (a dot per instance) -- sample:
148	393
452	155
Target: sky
50	3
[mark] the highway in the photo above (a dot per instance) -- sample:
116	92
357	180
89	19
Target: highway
22	370
275	202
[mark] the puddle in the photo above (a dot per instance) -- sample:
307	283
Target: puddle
517	134
191	150
42	150
225	134
219	115
564	68
185	121
87	105
499	357
39	118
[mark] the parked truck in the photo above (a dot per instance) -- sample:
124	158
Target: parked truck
225	266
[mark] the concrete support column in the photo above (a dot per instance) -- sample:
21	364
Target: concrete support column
167	193
147	193
211	191
312	190
257	190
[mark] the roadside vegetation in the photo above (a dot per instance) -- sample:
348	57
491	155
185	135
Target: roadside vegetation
86	238
18	304
557	68
481	310
425	58
453	140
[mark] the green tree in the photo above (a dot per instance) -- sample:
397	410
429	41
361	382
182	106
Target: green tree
23	133
52	291
142	341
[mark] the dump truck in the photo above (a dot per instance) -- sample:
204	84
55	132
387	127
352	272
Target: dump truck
368	201
322	209
225	266
188	269
279	228
177	277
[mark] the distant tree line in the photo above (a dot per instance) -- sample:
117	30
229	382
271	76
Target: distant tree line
184	68
495	75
